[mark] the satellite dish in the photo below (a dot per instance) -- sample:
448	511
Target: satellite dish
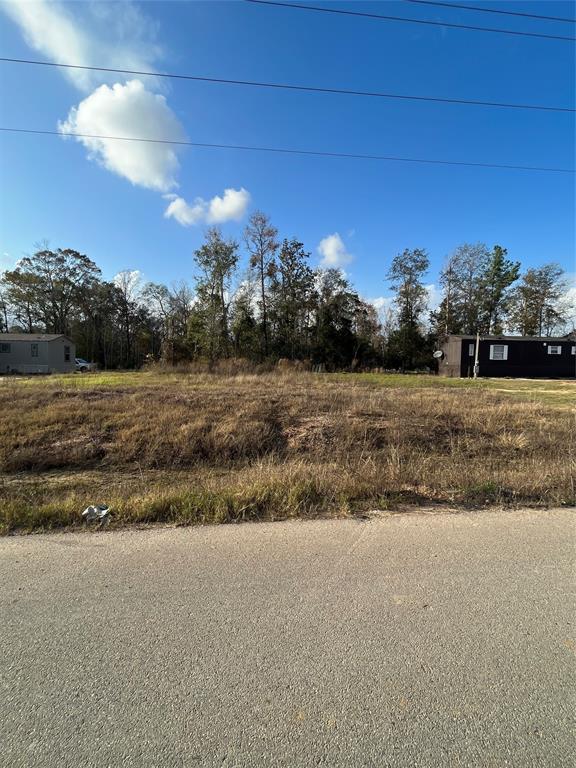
438	354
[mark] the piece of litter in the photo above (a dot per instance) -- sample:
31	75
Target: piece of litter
96	512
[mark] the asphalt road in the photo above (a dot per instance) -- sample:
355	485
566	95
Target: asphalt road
415	640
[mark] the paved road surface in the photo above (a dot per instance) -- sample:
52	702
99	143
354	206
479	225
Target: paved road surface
417	640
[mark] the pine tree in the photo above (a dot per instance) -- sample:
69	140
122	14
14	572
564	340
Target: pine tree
292	288
260	237
498	276
208	329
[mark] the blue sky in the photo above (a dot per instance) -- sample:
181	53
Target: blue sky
112	205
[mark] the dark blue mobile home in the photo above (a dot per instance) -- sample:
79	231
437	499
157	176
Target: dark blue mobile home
527	357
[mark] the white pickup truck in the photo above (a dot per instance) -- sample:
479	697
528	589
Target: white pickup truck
84	365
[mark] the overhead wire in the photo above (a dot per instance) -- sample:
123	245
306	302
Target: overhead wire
408	20
290	151
293	87
522	14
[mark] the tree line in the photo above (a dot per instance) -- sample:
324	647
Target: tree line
277	306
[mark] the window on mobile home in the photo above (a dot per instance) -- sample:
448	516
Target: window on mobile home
498	351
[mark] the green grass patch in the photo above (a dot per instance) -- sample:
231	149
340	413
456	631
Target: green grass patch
556	392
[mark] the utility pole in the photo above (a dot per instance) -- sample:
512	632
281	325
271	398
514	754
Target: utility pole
476	351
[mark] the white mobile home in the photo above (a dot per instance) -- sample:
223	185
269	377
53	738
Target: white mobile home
36	353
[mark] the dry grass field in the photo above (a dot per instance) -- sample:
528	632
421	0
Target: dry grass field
193	448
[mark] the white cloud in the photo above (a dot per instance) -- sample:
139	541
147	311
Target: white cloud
382	304
230	207
119	36
434	296
115	33
333	252
122	110
385	303
184	213
6	261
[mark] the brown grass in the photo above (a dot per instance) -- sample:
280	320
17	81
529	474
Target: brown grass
213	448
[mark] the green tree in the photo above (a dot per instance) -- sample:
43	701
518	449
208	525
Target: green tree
500	273
291	292
335	305
367	330
405	275
244	325
112	326
95	327
217	260
462	283
23	298
536	307
47	287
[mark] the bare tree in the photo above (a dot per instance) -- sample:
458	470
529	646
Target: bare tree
128	290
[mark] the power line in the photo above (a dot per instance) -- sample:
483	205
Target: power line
491	10
284	150
290	87
408	20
